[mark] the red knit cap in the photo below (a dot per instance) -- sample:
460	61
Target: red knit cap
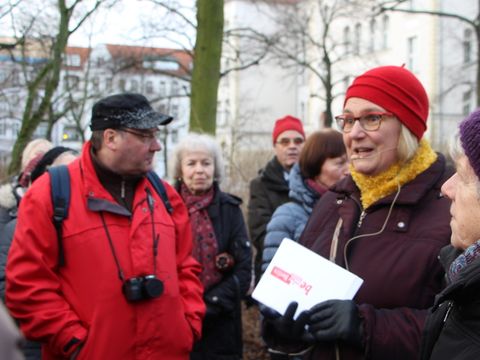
287	123
398	91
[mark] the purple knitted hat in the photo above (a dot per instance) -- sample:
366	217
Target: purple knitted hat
470	139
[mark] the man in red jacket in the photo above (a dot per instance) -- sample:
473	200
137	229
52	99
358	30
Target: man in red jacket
129	288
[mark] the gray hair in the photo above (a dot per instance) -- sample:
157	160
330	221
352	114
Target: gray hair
192	142
407	144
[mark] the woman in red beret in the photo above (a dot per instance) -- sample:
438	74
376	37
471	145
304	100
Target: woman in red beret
390	222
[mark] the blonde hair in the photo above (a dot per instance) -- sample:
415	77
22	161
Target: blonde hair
407	145
33	149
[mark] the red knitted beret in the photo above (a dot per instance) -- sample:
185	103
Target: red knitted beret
287	123
398	91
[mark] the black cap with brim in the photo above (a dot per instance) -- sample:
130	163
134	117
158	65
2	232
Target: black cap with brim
126	111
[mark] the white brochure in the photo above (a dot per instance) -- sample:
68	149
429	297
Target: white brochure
298	274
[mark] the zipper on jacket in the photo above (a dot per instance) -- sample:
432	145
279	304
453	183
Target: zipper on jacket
122	189
450	306
360	219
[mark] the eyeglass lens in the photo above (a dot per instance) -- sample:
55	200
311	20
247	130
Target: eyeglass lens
287	141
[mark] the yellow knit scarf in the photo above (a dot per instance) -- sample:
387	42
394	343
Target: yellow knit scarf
373	188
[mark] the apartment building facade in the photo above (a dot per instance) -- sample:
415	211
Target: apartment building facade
89	74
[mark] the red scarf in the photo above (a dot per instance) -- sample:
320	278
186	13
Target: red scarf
313	185
205	246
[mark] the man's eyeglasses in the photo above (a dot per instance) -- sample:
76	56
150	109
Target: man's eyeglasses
369	121
287	141
145	136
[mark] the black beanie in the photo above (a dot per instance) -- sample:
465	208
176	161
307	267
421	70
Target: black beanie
47	159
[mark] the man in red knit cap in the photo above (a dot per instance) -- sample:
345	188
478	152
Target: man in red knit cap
269	189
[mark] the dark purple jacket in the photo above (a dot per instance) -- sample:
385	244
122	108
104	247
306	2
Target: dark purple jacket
399	266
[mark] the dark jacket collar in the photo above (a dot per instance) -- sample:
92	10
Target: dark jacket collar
273	175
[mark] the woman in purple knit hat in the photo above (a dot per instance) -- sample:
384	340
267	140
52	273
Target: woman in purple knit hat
452	331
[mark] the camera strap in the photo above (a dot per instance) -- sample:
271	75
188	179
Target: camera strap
155	239
60	194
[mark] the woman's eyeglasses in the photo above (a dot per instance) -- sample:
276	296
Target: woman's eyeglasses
369	121
287	141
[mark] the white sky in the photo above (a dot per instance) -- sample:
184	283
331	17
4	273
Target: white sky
125	23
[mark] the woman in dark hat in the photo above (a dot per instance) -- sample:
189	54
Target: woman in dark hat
385	222
452	330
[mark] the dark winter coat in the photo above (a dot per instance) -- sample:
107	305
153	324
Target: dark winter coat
452	329
8	220
399	266
288	220
222	326
8	215
268	191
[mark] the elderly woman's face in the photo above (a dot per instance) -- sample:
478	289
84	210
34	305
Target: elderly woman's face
462	188
371	152
197	170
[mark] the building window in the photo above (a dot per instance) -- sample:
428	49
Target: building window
15	128
467	99
149	87
347	41
3	128
73	60
358	39
174	111
96	84
70	133
467	46
121	84
373	34
174	136
385	25
109	83
162	90
134	85
174	88
411	53
71	82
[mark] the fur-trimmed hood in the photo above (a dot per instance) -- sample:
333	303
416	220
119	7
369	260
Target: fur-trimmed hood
7	198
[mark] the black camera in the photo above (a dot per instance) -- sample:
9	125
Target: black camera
142	288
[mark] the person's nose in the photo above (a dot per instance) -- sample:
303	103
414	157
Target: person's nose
448	187
199	168
357	130
155	145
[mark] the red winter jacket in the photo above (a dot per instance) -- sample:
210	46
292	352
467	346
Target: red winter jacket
399	265
82	302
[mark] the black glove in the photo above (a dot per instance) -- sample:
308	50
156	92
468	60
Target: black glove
286	331
268	312
334	320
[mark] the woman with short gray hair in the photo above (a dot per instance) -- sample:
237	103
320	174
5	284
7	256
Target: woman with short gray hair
220	244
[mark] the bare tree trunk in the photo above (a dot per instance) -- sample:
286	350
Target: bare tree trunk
206	70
